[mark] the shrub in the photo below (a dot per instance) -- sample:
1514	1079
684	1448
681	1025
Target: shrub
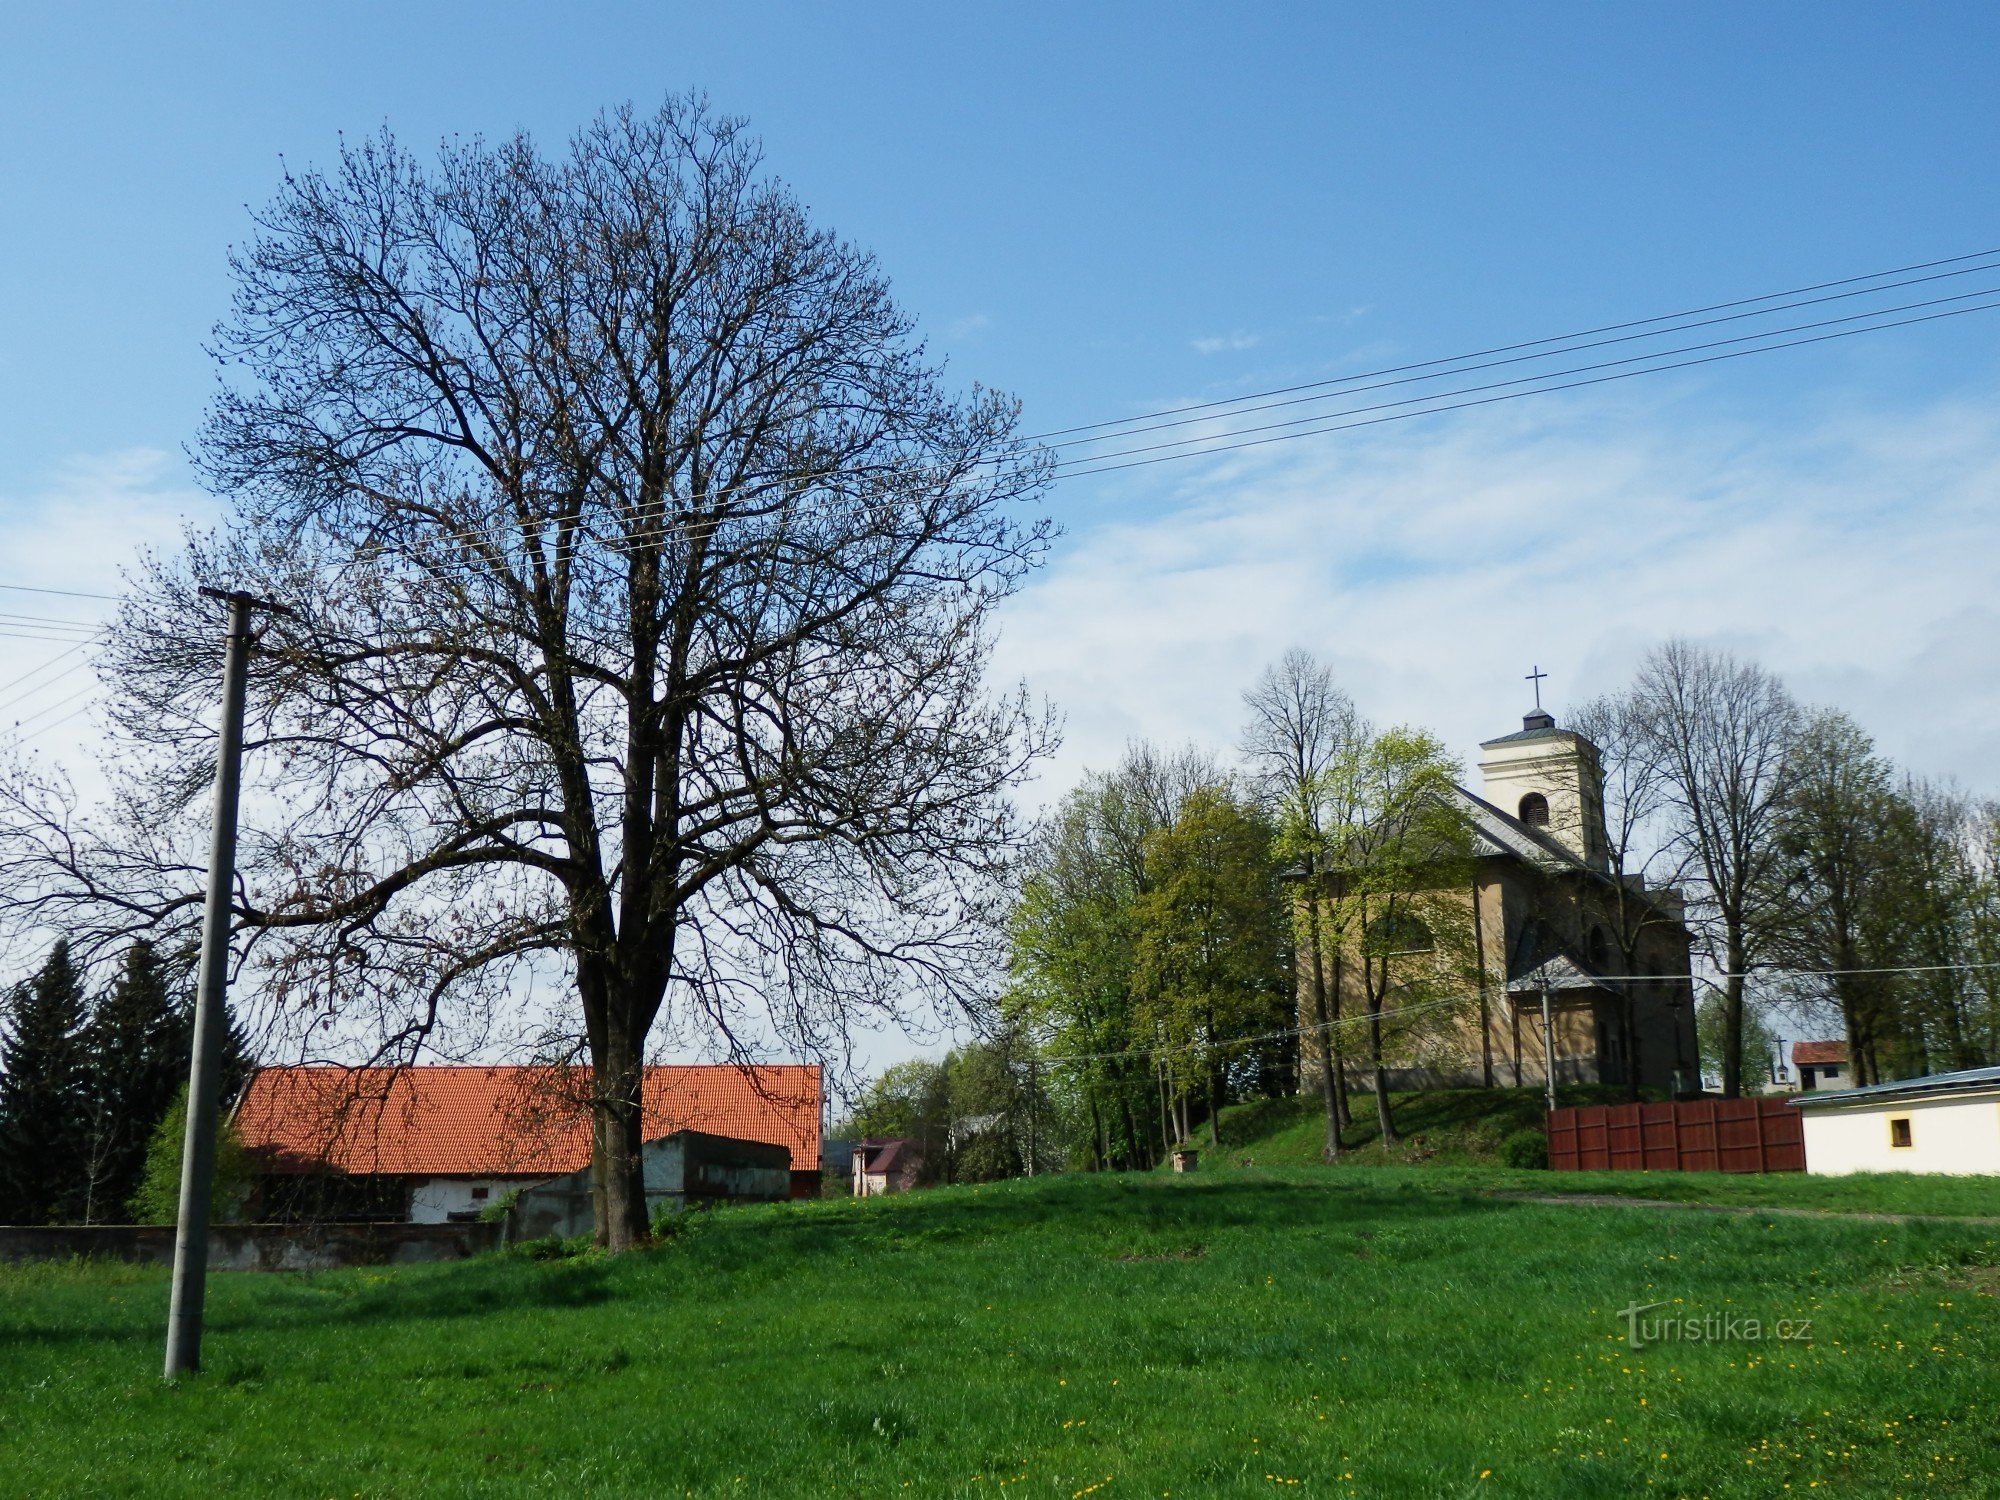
1525	1148
158	1200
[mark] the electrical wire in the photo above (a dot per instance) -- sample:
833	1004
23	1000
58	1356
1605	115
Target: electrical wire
28	588
1692	312
1467	1000
1435	403
1348	384
1649	356
43	687
42	713
1228	447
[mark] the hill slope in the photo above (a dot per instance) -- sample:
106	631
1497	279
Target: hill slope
1225	1334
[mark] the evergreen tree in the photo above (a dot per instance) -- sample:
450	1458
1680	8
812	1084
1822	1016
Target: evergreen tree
42	1097
135	1051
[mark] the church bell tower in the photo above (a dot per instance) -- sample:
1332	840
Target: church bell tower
1550	779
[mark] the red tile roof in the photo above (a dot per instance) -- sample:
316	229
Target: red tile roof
501	1122
1818	1054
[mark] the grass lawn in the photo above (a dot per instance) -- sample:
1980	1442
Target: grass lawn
1392	1332
1453	1137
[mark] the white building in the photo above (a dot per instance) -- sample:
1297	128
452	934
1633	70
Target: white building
1948	1122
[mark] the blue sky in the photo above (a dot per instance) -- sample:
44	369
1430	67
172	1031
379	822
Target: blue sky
1113	208
1069	197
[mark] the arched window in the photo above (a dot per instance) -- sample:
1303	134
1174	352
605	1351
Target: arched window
1597	950
1400	933
1535	810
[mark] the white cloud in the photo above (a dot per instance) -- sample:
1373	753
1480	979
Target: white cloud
965	327
1434	562
92	520
1229	344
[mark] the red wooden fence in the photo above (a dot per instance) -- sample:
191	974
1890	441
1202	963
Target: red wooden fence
1693	1135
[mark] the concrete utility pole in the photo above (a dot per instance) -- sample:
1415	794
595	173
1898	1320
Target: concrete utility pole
1548	1048
211	1002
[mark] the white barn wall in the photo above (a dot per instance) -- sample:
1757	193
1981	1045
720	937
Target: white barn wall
433	1200
1958	1135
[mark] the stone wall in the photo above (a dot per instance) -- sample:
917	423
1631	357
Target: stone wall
254	1247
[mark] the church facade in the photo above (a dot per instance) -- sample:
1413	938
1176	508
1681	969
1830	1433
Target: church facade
1567	969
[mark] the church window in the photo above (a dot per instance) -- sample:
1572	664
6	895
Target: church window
1400	933
1535	810
1597	950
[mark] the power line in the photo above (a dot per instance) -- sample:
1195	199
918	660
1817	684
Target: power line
1228	447
26	588
1349	387
1471	998
1656	354
1437	403
42	687
42	713
1529	344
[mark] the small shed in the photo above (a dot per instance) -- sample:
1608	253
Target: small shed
1947	1122
886	1166
1821	1065
687	1167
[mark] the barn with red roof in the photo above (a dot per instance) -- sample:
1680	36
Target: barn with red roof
432	1144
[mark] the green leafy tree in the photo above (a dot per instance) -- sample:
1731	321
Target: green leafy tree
909	1101
1210	957
135	1053
1072	937
1852	889
1952	1005
1002	1124
158	1197
1398	862
1299	723
43	1168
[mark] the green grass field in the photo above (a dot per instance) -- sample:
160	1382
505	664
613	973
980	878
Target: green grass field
1391	1332
1453	1137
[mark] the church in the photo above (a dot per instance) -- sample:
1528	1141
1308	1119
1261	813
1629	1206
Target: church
1575	971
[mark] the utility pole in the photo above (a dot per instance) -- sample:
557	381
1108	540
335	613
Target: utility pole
211	1001
1548	1047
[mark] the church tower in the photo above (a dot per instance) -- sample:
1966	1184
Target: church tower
1550	779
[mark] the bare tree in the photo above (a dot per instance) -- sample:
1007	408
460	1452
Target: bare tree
644	569
1641	856
1723	731
1300	723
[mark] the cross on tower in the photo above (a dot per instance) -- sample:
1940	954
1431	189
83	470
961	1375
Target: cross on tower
1536	677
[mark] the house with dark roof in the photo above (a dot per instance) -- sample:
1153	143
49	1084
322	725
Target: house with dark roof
1554	931
886	1166
434	1144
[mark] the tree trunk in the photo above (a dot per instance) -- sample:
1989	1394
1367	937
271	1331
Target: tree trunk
1388	1122
1329	1085
616	1110
1344	1111
1732	1016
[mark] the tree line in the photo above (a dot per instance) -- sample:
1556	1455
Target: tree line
93	1091
1183	929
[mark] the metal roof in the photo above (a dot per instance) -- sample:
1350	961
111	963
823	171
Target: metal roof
1971	1080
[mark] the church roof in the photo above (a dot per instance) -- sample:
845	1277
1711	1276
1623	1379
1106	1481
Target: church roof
1495	832
1559	971
1519	735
